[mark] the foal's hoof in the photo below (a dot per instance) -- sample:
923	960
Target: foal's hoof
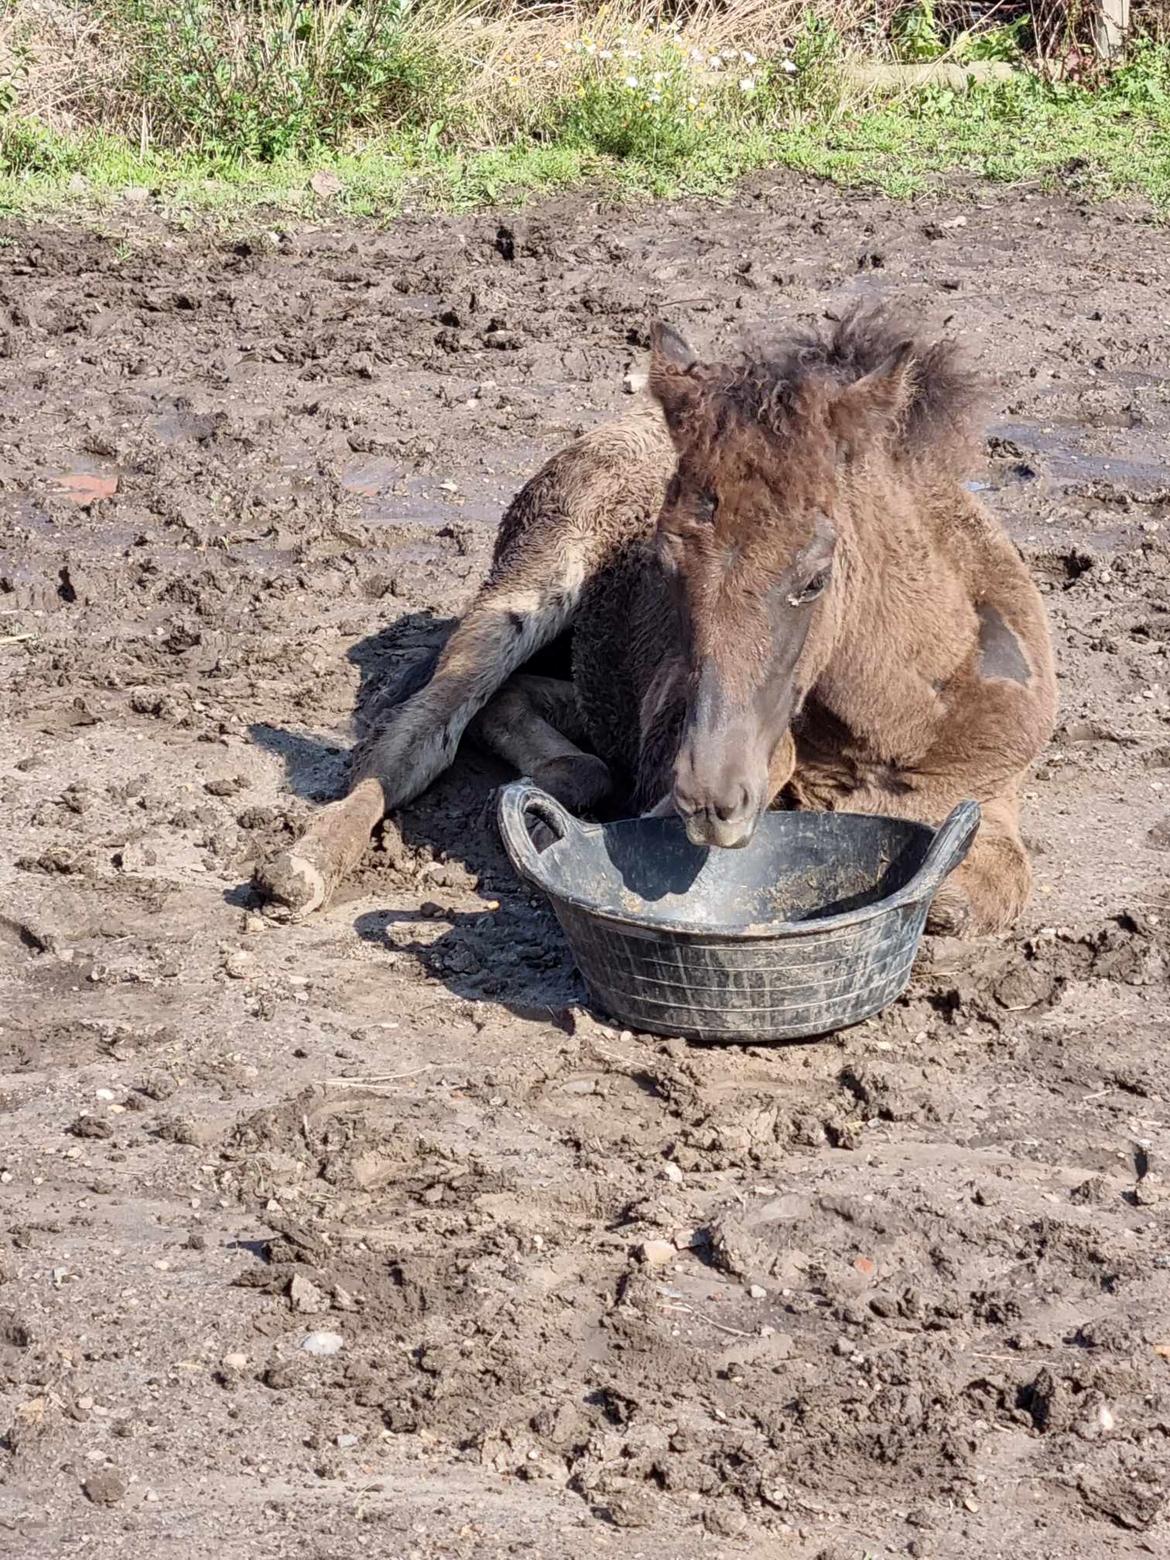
579	782
292	885
950	914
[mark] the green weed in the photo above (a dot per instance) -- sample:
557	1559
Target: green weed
277	76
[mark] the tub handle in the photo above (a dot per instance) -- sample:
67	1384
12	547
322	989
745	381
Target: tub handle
953	839
519	801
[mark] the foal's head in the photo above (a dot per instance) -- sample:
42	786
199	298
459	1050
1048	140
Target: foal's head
769	454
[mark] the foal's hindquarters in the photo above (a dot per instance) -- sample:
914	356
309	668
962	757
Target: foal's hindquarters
586	506
934	741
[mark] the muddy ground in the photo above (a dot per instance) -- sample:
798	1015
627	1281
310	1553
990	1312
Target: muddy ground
918	1295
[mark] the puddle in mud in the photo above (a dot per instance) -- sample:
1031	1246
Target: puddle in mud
175	426
85	484
389	497
1064	464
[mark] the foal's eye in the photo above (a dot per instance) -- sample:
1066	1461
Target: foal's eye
668	552
813	588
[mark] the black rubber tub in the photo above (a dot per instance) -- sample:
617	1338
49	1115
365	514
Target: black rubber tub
813	926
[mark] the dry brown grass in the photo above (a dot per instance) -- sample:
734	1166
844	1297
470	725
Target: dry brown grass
71	66
67	67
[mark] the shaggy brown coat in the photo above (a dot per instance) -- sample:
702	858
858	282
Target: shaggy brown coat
779	588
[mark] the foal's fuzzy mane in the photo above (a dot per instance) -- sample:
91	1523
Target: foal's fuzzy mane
940	417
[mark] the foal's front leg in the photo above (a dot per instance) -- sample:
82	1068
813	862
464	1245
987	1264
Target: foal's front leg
507	623
535	725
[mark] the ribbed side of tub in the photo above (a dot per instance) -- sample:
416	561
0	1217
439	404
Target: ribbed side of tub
761	989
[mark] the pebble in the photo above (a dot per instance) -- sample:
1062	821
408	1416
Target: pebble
323	1344
656	1253
672	1172
238	962
758	1292
235	1362
306	1297
344	1442
106	1487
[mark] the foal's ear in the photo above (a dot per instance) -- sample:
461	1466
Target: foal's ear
670	348
877	401
671	360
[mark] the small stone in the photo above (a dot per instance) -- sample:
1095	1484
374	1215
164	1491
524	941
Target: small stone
325	183
105	1487
1093	1191
323	1344
90	1127
306	1297
344	1442
1149	1191
343	1300
672	1172
235	1362
656	1253
758	1292
238	963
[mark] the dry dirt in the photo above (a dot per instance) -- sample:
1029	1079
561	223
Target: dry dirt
916	1289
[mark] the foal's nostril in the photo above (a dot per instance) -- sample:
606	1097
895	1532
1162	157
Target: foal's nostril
728	809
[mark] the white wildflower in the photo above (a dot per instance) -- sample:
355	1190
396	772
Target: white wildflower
749	59
715	62
789	67
631	81
747	86
655	97
605	54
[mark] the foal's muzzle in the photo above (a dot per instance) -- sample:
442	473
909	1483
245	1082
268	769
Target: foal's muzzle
723	811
